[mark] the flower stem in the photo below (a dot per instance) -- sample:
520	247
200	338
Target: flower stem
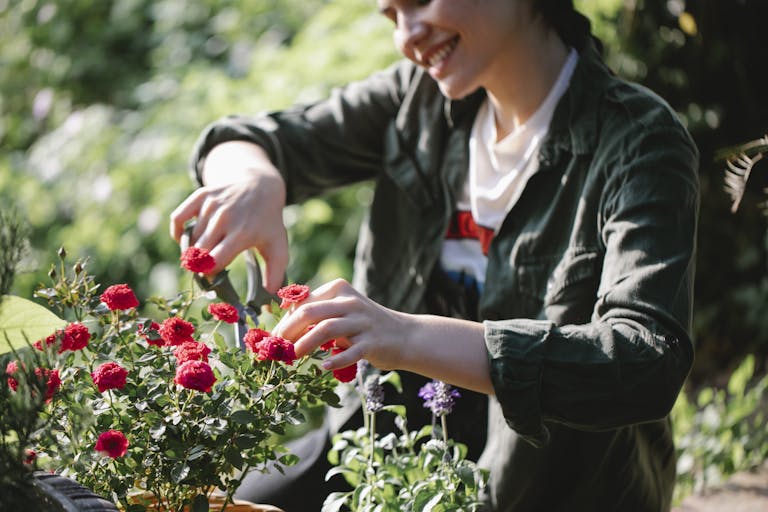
444	424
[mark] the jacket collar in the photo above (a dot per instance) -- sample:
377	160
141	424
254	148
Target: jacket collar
574	125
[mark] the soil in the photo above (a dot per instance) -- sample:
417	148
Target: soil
743	492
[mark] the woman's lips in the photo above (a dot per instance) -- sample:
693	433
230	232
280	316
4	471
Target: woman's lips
438	56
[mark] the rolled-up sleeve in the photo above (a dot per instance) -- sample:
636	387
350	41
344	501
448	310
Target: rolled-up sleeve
322	145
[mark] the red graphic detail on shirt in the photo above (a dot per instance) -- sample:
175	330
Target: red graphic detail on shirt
463	226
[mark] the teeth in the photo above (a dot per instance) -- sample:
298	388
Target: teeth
441	54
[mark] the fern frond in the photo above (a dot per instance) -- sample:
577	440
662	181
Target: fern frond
740	160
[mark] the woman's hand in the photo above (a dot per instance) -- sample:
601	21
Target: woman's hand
239	208
362	327
442	348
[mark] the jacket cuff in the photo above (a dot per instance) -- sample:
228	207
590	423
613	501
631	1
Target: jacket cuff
516	352
258	130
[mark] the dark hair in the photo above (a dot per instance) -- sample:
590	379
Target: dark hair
572	26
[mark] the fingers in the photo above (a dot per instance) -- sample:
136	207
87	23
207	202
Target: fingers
346	327
345	358
276	257
232	219
331	300
188	209
223	252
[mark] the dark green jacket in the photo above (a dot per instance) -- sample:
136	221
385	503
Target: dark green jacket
588	295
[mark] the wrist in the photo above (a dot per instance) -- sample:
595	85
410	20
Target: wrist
238	161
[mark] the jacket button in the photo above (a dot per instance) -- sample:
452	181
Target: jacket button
418	277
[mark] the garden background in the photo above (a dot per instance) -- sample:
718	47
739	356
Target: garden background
101	102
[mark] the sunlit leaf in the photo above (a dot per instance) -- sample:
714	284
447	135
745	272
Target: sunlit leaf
23	321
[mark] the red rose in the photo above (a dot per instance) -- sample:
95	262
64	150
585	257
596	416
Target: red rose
275	348
50	340
196	375
119	296
199	260
10	369
109	376
328	345
253	337
346	374
112	443
175	331
191	351
31	455
224	312
52	379
292	294
151	335
76	337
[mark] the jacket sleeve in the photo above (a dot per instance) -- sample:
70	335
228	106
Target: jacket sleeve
628	364
322	145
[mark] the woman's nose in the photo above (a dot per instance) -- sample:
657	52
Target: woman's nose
409	31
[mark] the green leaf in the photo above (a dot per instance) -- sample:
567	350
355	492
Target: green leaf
220	342
331	398
246	441
426	501
337	470
295	417
179	472
289	459
200	504
392	378
467	475
737	384
233	456
397	409
244	417
157	431
23	321
335	501
196	452
705	397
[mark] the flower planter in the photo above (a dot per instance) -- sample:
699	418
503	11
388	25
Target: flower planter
215	502
55	493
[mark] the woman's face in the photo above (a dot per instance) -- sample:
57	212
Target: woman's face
463	44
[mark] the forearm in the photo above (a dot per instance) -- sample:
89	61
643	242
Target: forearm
447	349
237	161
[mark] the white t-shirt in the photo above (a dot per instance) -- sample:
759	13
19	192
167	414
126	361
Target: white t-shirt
498	172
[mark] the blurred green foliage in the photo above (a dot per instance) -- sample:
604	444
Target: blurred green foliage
100	104
721	431
95	148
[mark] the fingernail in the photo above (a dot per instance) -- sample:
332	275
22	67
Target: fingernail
326	365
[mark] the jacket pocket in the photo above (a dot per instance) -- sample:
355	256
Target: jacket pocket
407	171
571	289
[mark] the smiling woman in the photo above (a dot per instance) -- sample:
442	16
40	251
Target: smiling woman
517	245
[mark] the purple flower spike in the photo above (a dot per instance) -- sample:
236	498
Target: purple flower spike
374	394
439	397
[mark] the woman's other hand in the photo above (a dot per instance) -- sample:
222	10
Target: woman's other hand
442	348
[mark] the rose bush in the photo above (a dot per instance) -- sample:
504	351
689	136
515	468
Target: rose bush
162	402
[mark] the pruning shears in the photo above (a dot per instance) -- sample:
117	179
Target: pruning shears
220	283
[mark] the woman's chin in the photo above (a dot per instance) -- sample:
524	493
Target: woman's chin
454	91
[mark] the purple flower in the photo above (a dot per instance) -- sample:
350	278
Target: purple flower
374	394
439	397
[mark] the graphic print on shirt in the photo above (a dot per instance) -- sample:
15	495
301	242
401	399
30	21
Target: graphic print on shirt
498	173
465	249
